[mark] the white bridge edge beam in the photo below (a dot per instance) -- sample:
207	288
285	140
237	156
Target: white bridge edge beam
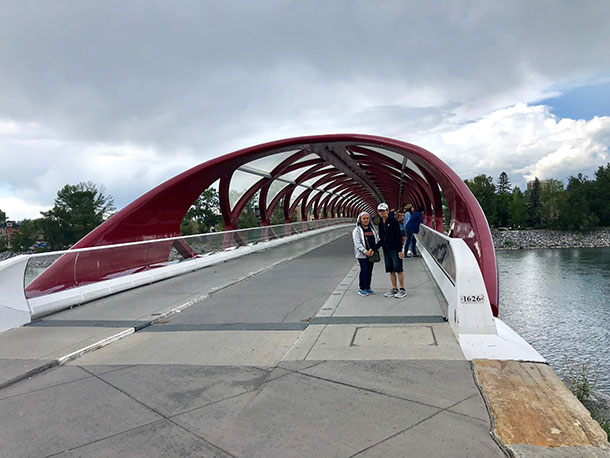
479	334
14	308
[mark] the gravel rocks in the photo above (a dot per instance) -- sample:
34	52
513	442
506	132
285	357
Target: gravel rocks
543	238
598	404
5	255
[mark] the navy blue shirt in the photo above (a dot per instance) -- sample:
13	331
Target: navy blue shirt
414	222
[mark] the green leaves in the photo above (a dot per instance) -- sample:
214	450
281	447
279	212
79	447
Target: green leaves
582	205
77	211
203	214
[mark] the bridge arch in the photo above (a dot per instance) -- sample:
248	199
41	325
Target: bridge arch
326	174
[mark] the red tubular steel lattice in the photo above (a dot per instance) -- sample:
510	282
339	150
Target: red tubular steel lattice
359	171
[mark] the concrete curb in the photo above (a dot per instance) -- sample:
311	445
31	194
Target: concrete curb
102	343
30	373
129	331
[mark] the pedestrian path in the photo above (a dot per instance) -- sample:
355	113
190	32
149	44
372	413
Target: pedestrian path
62	336
352	327
275	356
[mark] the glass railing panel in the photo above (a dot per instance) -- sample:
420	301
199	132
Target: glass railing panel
37	265
74	268
47	280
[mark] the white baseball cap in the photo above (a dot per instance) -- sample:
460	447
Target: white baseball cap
382	206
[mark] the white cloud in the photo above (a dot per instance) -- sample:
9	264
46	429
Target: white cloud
36	162
18	209
526	142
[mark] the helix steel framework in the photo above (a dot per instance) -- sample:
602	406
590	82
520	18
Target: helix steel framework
323	176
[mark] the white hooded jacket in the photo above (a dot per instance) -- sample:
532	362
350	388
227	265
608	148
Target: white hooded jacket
358	237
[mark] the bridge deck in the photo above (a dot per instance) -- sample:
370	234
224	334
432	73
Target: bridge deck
276	356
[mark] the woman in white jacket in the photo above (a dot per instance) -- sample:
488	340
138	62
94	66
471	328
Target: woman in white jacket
366	242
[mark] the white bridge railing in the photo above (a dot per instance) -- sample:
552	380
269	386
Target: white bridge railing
459	277
19	306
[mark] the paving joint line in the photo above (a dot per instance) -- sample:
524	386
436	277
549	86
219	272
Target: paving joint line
157	412
103	438
47	387
124	392
116	369
387	394
369	390
314	343
171	417
492	423
184	428
446	409
292	371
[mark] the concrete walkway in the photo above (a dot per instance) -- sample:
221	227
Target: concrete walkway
276	356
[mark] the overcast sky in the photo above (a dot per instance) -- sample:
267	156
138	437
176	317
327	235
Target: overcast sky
130	93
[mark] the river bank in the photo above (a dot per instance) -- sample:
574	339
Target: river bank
544	238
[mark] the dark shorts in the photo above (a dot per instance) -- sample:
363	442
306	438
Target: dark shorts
392	262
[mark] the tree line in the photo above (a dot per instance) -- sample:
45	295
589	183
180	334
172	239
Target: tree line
580	205
205	216
77	210
80	208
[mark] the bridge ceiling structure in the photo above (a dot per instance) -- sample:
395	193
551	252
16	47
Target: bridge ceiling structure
323	176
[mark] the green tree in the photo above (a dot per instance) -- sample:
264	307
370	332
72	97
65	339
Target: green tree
533	204
517	209
28	233
77	211
189	227
601	202
503	199
446	213
277	215
503	184
551	196
3	238
248	216
575	209
483	188
203	214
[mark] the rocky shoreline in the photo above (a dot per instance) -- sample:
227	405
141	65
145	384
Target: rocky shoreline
544	238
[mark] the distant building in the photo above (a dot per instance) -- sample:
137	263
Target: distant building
544	184
7	228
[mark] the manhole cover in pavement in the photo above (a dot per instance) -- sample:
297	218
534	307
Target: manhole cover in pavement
393	336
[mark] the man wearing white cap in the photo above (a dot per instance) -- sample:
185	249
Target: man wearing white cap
391	241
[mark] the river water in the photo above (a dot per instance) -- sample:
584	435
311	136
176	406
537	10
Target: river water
559	301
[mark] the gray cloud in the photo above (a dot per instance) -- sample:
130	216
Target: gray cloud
191	80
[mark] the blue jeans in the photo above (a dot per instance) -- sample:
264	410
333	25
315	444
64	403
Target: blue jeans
410	241
366	273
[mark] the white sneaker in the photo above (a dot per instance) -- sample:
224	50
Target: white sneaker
409	254
391	293
400	294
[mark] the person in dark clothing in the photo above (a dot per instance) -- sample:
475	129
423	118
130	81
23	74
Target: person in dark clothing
391	241
366	242
412	228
